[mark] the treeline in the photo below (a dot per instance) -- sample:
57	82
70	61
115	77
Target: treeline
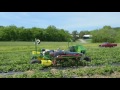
105	34
51	33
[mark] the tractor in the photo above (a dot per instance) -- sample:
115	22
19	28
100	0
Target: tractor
48	57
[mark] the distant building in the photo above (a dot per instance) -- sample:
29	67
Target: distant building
87	36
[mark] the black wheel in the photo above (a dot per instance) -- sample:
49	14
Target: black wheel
99	45
87	59
35	61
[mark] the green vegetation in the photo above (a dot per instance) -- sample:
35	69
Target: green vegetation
15	56
17	43
51	33
105	34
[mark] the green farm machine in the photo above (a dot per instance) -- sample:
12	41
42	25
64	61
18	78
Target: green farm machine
47	57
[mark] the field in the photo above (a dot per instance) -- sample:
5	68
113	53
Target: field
15	61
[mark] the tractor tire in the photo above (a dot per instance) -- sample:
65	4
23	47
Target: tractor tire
87	59
35	61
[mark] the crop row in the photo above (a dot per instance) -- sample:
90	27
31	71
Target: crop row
20	61
70	73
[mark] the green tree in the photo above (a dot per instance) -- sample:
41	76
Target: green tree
74	34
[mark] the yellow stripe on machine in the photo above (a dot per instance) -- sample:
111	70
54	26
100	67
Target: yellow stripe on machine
34	52
46	62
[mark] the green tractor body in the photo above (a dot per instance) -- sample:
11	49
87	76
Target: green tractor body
77	48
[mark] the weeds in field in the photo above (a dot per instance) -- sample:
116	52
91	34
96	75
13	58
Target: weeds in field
105	61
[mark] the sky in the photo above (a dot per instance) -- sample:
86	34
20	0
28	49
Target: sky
69	21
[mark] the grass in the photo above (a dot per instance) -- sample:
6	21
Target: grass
15	56
88	40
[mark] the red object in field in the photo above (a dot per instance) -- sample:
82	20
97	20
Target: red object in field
107	44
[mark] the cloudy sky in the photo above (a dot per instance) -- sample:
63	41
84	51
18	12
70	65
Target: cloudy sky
63	20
